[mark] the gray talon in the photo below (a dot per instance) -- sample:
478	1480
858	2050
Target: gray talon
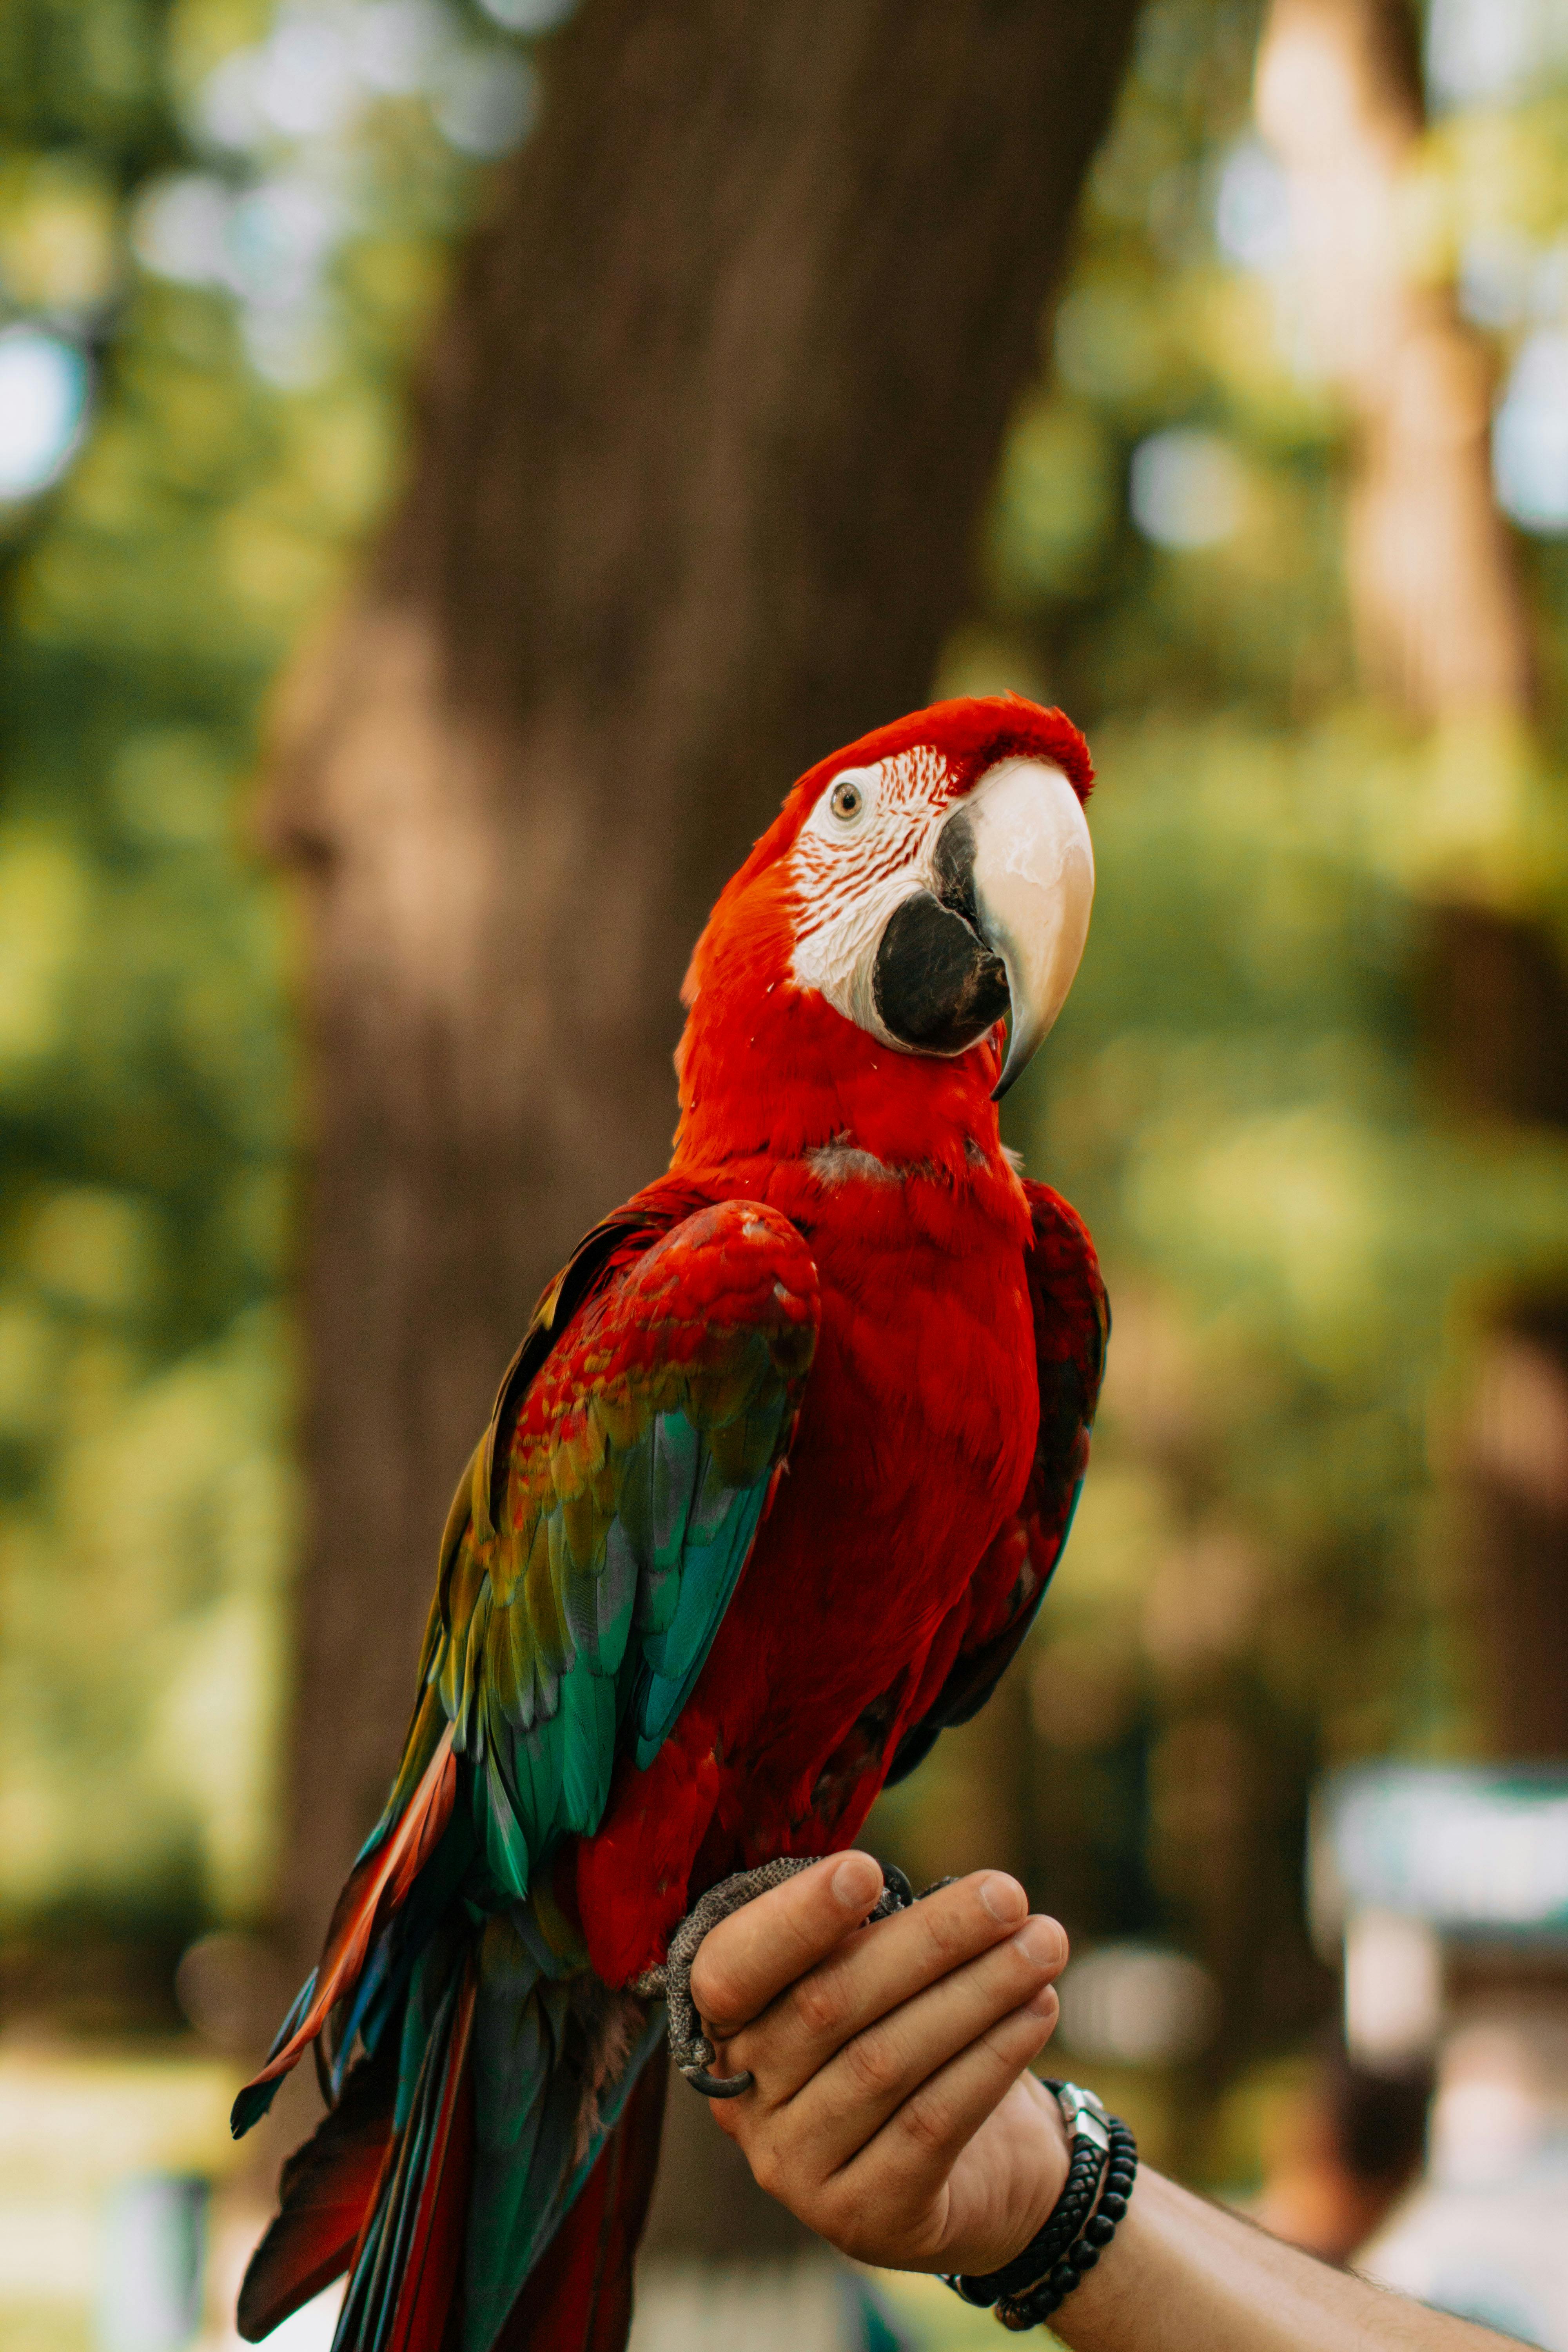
689	2045
718	2086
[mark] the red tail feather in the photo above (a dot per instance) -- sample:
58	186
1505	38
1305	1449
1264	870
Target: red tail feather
579	2299
326	2190
374	1888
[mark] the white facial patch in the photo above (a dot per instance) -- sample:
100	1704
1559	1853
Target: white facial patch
853	863
869	844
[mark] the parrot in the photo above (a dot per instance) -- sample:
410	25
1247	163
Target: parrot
769	1498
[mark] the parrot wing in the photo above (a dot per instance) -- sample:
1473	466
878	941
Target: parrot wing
609	1512
588	1558
1072	1325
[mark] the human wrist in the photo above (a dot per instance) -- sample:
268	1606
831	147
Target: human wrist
1079	2227
1055	2158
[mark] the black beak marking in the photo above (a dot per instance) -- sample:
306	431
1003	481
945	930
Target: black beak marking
953	861
936	985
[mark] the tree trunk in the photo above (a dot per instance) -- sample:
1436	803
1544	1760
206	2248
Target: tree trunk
699	452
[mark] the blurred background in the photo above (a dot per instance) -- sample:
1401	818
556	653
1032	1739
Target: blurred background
457	464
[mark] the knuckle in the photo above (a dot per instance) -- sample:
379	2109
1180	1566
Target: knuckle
922	2124
870	2061
945	1926
819	2004
840	2217
768	2167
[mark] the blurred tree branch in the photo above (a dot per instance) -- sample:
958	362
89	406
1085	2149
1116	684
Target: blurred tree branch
1435	593
701	443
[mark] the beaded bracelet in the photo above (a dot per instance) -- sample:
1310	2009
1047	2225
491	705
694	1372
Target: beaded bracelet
1081	2223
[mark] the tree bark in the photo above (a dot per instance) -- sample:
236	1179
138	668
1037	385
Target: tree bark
698	451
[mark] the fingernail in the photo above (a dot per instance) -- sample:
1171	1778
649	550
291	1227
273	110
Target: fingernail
857	1882
1041	1942
1003	1898
1044	2002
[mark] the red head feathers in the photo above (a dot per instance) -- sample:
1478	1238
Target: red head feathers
916	889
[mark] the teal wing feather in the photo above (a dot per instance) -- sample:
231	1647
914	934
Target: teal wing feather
606	1518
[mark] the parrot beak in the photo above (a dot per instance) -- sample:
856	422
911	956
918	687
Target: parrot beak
1034	885
996	924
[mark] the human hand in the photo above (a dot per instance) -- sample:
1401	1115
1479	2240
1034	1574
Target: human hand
892	2112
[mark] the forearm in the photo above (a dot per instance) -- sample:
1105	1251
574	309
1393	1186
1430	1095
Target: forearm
1185	2276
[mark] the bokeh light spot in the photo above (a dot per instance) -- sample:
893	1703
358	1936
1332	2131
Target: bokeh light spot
488	103
398	45
1480	49
1252	208
1529	439
181	226
43	405
1186	488
529	15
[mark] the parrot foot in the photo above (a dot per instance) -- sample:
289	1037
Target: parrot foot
689	2046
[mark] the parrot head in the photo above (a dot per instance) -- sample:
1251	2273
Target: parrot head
919	888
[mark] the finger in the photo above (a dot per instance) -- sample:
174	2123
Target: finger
905	2164
746	1961
845	2101
876	1973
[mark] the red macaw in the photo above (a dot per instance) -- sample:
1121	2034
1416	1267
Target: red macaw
770	1496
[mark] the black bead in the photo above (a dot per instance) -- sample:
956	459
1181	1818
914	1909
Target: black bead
1101	2229
1063	2279
1119	2180
1082	2255
1114	2204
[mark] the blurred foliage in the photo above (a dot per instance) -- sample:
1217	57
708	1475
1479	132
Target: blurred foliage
1303	1229
235	219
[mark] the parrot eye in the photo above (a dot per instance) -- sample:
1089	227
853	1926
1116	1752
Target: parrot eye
852	798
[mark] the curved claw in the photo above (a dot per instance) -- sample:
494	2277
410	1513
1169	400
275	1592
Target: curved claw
717	2086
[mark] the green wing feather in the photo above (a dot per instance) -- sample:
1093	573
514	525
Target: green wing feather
606	1519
